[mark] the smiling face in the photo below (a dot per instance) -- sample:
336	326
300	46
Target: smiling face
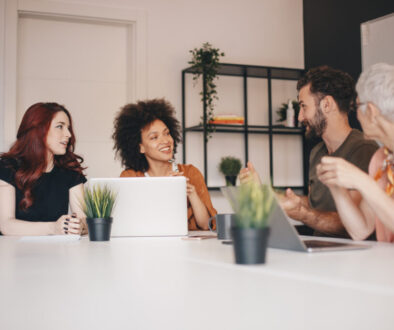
156	142
311	114
59	134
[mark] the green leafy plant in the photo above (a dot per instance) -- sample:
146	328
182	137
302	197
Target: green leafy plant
205	61
230	166
281	112
99	202
254	205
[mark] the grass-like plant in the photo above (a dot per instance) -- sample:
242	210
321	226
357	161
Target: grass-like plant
255	203
99	201
230	166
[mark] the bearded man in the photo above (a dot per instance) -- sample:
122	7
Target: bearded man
326	97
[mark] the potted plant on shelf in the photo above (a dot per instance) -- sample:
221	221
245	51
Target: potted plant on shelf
282	112
205	61
230	167
254	204
98	206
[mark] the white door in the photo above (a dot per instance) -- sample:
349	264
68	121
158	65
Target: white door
81	64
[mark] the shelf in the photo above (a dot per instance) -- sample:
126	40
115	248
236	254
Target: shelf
253	129
254	71
275	187
270	131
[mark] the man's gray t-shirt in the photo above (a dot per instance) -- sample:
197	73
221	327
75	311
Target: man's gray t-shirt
355	149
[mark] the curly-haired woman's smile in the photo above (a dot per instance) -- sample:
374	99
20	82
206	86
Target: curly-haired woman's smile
156	142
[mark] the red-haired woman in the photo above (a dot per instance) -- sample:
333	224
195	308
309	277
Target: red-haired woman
40	176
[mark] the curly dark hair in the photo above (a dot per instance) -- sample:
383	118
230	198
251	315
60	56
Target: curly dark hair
129	123
325	80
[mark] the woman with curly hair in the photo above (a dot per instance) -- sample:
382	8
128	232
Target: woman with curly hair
146	136
40	176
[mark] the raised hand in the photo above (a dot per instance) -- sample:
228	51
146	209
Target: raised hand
291	203
337	172
248	174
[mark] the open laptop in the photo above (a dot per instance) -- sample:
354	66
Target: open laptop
284	236
148	206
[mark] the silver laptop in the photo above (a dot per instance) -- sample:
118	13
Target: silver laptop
284	236
148	206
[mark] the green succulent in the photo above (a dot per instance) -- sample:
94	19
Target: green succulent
255	203
230	166
99	202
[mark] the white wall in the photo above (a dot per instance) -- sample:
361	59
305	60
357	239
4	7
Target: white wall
2	51
260	32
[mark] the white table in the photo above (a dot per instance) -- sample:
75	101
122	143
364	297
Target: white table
169	283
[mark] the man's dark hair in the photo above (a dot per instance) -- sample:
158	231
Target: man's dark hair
324	81
128	126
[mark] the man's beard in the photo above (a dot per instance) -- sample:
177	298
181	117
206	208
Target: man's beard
317	126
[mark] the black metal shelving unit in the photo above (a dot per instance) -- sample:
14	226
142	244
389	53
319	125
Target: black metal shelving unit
247	71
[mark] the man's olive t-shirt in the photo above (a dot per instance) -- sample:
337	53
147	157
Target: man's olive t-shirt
355	149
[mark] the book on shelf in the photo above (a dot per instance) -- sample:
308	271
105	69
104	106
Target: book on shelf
227	120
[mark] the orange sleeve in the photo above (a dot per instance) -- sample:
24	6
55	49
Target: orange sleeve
131	173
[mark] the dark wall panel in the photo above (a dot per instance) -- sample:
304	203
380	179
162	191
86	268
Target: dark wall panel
332	31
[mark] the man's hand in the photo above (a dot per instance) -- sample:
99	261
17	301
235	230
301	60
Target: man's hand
291	203
248	174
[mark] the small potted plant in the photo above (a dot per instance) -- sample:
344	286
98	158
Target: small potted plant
98	205
251	231
230	167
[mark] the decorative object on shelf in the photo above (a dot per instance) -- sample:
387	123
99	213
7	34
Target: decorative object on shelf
282	113
253	205
227	120
205	61
230	167
98	205
290	115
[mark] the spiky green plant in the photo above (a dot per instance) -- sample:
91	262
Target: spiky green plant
254	205
99	201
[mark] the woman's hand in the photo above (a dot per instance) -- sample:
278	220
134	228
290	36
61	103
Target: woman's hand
190	190
68	224
172	173
337	172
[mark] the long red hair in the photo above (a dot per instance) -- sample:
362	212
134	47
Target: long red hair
29	152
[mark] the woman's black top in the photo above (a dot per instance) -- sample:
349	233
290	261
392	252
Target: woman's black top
50	192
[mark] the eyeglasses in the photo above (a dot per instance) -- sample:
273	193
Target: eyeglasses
361	105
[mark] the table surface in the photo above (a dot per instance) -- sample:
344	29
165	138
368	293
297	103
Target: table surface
173	283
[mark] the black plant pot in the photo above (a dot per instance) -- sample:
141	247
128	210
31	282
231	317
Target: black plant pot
231	180
250	245
99	228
